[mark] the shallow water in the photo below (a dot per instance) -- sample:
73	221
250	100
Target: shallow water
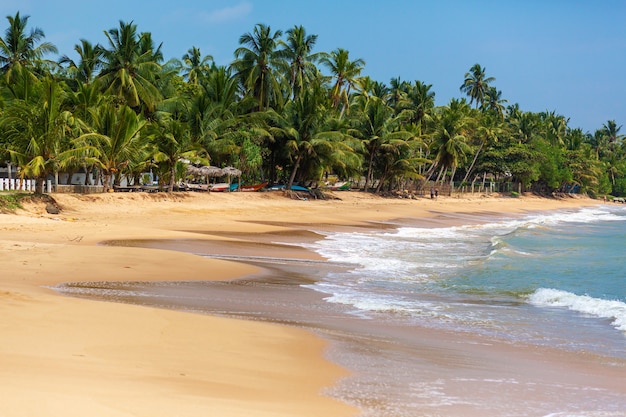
505	317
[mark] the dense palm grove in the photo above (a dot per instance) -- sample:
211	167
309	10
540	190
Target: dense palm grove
280	112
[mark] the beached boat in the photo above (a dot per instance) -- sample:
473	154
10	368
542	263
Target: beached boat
252	188
293	188
340	186
194	187
220	187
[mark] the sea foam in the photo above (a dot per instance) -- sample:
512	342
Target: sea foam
614	310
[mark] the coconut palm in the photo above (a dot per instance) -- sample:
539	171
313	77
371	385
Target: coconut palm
194	65
494	102
89	64
378	128
397	91
367	87
255	61
554	128
298	54
489	129
130	66
39	131
19	48
611	131
523	124
216	108
171	141
116	139
476	84
449	139
396	159
303	123
345	73
419	101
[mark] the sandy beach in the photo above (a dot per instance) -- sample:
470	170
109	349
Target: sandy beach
74	357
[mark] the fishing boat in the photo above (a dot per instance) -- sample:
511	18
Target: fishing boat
252	188
221	187
340	186
293	188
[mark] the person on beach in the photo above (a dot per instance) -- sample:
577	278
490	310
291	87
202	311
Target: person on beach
432	193
436	193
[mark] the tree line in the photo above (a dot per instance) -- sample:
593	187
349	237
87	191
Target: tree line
279	112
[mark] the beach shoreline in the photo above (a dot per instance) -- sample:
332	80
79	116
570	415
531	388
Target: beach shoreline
64	350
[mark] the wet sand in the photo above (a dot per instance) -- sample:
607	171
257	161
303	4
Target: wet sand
72	357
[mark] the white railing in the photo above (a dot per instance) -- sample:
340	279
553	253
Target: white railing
22	185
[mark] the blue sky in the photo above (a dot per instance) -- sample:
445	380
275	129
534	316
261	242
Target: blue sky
562	55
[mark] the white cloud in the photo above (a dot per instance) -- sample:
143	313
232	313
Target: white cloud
228	13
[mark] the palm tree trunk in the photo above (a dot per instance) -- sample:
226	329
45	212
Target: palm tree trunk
440	172
170	188
430	171
381	181
106	181
293	173
452	180
469	171
39	184
368	175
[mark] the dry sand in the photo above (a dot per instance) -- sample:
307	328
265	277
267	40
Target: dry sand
63	356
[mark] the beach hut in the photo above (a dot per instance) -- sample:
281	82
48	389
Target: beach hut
232	172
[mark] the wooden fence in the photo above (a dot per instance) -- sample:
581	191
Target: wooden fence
22	185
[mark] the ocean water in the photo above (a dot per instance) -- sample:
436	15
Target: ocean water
552	282
556	279
503	317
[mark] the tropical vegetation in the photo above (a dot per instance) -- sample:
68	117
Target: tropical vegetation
281	111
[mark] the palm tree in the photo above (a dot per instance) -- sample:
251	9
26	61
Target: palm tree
195	66
89	64
345	73
18	48
217	107
476	84
297	53
554	128
419	100
449	141
494	102
523	124
611	131
489	129
130	67
366	88
303	123
378	128
397	91
396	159
172	141
255	62
39	131
116	140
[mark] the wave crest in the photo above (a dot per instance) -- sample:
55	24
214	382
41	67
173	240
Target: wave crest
597	307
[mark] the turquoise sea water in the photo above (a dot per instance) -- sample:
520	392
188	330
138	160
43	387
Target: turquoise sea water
555	279
553	282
